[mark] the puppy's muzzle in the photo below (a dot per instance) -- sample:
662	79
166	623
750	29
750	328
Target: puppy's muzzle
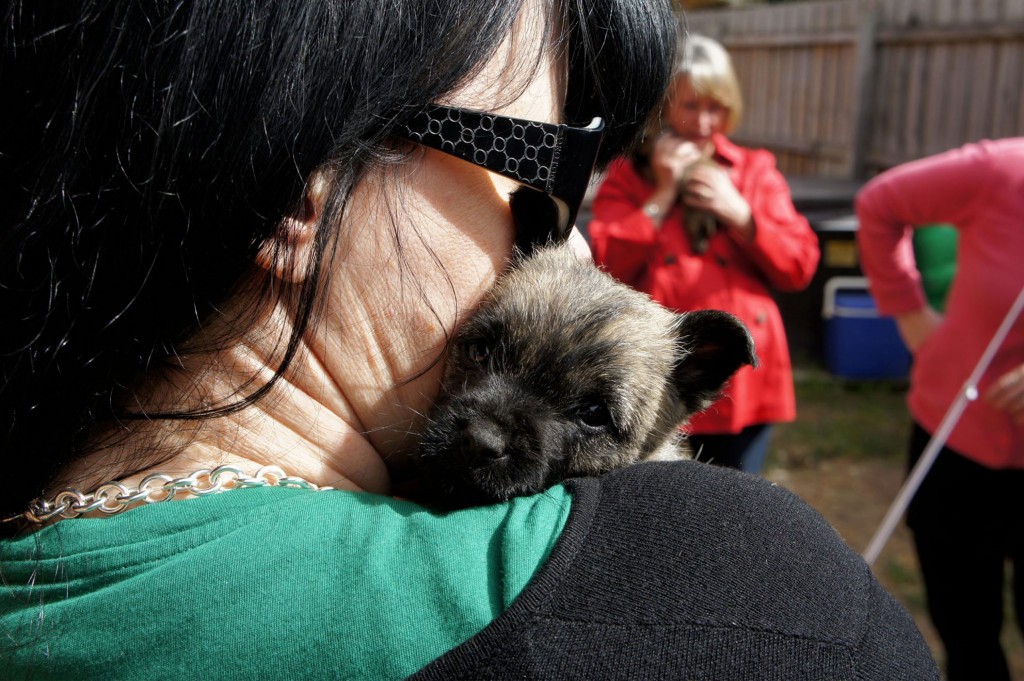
483	441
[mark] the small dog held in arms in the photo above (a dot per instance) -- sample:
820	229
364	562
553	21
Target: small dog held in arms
563	371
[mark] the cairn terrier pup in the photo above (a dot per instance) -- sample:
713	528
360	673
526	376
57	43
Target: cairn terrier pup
563	371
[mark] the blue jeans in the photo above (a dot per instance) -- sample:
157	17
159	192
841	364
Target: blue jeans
745	450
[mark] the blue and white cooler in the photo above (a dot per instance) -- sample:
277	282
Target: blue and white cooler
859	342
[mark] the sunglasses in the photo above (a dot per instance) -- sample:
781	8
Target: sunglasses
553	162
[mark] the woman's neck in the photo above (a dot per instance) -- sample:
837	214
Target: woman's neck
310	433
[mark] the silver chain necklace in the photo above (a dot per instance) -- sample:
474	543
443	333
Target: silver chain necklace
114	497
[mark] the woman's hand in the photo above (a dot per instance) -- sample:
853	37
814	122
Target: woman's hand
709	188
916	326
1007	394
670	158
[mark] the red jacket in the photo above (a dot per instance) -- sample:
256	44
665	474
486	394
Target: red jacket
732	275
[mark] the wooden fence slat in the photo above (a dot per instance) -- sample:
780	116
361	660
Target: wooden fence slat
936	98
815	133
986	11
864	94
832	125
802	83
913	120
945	14
884	114
1014	9
962	95
1007	88
1017	61
976	110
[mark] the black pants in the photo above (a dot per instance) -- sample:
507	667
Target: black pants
745	450
967	520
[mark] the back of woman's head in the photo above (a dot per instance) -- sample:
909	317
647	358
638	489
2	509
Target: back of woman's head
708	67
149	149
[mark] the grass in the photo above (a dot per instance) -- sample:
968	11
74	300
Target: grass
845	455
843	419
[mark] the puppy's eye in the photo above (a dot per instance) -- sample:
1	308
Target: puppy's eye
477	351
595	414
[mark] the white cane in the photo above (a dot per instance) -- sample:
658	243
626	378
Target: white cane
968	393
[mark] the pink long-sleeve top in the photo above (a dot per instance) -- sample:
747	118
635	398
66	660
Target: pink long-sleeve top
980	189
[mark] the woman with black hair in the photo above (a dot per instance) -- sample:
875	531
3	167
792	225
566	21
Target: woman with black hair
235	238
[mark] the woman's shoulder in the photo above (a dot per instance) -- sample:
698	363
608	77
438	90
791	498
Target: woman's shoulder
727	551
365	570
710	487
715	526
697	572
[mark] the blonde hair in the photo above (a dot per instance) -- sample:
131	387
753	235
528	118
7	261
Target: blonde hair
708	67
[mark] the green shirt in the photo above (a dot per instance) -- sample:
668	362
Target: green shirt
266	583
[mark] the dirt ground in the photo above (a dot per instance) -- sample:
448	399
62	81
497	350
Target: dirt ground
854	495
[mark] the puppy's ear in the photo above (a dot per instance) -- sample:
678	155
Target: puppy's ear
712	346
286	253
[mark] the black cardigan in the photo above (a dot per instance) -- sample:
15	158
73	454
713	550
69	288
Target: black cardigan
688	571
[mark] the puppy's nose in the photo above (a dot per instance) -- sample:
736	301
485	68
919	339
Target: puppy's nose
484	439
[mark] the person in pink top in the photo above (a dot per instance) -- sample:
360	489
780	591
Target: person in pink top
966	517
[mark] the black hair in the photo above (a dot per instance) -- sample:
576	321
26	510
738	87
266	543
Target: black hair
151	147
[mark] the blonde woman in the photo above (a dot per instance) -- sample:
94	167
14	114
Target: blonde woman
699	222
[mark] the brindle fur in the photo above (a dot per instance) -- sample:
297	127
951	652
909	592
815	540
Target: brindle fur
562	372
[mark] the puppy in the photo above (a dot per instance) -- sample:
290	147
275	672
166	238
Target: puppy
564	371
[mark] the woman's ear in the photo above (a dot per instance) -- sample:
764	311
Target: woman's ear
286	253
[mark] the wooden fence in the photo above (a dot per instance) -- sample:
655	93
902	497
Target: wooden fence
845	88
